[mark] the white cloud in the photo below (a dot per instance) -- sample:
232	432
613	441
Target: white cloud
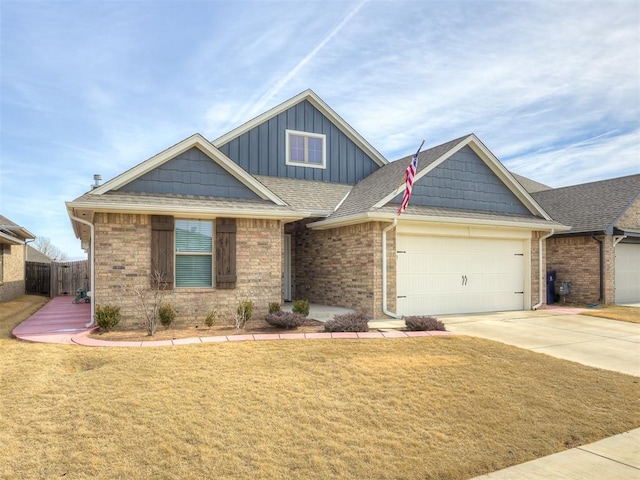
552	88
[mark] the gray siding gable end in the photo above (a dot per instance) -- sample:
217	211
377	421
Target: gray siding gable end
262	150
191	173
465	182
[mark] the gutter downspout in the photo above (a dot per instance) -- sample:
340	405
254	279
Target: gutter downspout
93	270
26	244
540	271
384	270
601	247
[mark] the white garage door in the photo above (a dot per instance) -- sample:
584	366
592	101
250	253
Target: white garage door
627	273
440	275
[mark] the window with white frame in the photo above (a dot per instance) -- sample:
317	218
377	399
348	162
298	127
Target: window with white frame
194	253
306	149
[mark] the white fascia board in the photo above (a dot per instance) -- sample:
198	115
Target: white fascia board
11	240
180	210
422	173
389	217
74	224
208	149
325	109
341	222
531	225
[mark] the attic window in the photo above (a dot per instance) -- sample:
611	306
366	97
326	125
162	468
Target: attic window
306	149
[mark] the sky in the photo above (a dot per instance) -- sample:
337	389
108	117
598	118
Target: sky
552	88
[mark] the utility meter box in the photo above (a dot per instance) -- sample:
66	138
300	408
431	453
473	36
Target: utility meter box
551	286
565	287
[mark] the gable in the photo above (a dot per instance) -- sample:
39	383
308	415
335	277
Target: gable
631	217
262	149
190	173
464	181
211	154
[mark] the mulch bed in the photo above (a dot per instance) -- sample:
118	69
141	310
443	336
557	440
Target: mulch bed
125	334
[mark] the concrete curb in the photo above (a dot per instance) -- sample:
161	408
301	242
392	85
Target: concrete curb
84	340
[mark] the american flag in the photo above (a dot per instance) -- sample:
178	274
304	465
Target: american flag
410	173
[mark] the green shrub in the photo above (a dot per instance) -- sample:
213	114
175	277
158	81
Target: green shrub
348	322
211	318
288	320
107	317
167	315
244	312
423	323
274	307
301	307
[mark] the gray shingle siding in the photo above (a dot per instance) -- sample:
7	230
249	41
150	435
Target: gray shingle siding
191	173
464	181
261	150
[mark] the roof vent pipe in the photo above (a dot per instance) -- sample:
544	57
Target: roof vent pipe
97	178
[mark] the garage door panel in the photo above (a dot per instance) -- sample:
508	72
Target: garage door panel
627	275
440	275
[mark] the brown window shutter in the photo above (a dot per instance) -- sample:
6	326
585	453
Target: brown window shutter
162	227
226	253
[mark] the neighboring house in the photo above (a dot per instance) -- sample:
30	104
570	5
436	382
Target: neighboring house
600	255
37	256
295	204
13	240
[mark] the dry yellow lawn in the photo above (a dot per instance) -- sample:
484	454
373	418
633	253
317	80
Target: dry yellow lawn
616	312
442	408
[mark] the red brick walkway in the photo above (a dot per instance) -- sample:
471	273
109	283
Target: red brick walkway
57	322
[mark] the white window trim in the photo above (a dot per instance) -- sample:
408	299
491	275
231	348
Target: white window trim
212	255
306	135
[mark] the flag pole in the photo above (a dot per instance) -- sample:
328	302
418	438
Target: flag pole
417	153
410	174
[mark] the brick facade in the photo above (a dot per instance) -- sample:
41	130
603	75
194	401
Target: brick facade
339	267
12	281
577	260
631	218
123	264
535	269
342	266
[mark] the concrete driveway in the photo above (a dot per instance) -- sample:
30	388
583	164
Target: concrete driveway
562	333
597	342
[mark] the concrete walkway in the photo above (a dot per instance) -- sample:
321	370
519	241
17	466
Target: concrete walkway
559	332
614	458
596	342
57	322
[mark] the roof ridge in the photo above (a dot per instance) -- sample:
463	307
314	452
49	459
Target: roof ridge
595	182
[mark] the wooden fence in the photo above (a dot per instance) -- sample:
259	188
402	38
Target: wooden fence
55	279
38	278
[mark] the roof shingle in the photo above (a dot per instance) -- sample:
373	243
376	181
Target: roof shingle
590	207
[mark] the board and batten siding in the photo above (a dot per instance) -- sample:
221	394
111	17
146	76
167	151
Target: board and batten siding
261	150
465	182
